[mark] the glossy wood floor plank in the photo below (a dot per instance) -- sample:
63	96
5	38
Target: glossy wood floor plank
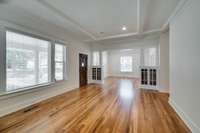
118	106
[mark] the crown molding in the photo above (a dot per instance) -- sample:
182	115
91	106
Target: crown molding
94	38
135	34
22	28
181	5
139	24
67	18
139	32
117	36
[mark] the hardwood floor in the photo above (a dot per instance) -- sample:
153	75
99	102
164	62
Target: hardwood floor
116	107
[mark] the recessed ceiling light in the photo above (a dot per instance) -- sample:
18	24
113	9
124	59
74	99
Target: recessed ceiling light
124	28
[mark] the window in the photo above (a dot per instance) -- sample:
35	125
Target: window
150	57
96	58
27	61
126	64
59	61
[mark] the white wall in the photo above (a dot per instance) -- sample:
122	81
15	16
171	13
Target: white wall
129	44
185	64
164	62
161	41
114	62
14	102
123	48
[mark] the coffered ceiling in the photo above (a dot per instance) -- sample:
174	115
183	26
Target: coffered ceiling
91	20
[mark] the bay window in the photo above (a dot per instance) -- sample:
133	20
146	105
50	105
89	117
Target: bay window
27	61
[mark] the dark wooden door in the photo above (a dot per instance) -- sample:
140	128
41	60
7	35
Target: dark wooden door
83	59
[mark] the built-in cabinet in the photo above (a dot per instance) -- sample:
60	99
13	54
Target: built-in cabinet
96	73
149	77
153	77
144	76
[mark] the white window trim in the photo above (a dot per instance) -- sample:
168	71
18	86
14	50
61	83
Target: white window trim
3	91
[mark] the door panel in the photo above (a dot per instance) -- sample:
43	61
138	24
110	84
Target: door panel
83	69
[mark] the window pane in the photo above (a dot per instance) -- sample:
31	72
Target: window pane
96	58
59	61
58	52
26	61
150	57
59	71
126	63
43	67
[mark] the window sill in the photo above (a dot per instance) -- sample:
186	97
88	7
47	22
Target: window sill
60	81
7	94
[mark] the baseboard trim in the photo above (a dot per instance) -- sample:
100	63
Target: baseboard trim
163	91
16	107
186	119
119	76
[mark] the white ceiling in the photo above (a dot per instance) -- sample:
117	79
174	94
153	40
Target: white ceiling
86	19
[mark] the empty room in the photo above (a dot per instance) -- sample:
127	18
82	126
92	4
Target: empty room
99	66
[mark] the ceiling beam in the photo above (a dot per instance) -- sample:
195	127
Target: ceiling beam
139	24
117	36
179	7
155	31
